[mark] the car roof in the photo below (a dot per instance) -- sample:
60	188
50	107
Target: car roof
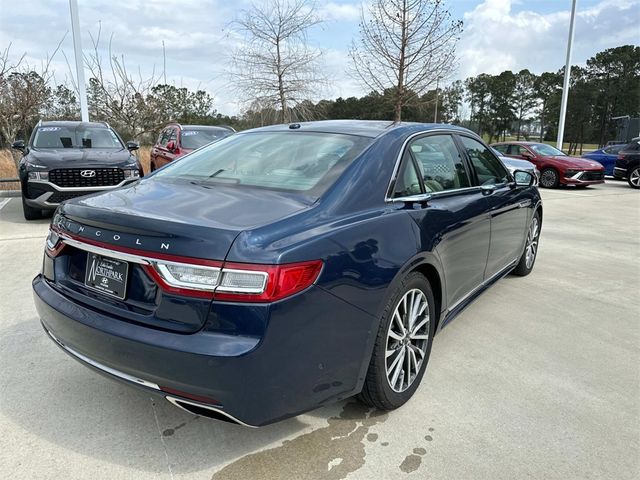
517	142
363	128
71	123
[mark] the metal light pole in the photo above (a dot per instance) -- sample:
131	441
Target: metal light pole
77	49
435	112
567	77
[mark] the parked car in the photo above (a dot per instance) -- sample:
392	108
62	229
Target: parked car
628	163
514	164
65	159
176	140
556	167
606	157
302	264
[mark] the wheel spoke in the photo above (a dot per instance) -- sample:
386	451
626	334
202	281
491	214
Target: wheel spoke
394	363
418	337
419	326
398	367
398	320
395	336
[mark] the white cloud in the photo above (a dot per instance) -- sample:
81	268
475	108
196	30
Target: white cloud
497	39
340	11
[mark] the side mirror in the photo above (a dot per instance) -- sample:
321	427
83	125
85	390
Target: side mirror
171	146
131	146
523	179
19	145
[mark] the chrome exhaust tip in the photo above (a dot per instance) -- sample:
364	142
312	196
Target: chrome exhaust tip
204	410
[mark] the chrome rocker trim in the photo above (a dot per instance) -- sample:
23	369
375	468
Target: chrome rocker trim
100	366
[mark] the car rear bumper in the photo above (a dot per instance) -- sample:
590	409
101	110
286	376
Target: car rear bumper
620	173
304	360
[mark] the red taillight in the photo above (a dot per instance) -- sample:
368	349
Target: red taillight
282	281
188	276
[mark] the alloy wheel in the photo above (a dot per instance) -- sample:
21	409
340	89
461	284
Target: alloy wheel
532	243
548	178
407	340
634	177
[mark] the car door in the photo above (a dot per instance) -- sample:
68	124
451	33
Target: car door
506	204
160	149
523	153
453	223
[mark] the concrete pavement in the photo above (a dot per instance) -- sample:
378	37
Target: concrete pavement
539	378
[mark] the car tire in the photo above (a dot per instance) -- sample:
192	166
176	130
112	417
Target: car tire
530	253
549	178
411	350
30	213
634	177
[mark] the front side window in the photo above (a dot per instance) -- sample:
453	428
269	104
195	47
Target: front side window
440	164
298	161
76	137
522	151
488	168
196	138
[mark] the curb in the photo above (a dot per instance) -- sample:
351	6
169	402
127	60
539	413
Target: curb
9	193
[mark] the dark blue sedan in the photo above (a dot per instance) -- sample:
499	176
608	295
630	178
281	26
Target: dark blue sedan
606	156
286	267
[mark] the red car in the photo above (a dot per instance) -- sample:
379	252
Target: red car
556	167
176	140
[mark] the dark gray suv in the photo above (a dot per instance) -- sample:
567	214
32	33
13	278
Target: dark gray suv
67	159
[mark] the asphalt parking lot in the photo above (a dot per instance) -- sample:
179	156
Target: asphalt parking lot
539	378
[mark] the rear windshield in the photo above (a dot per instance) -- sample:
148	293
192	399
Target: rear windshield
302	162
196	138
76	137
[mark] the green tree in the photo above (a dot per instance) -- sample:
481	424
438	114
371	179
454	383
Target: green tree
548	90
524	96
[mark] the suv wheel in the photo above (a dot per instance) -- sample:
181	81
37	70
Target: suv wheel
30	213
549	178
634	177
403	345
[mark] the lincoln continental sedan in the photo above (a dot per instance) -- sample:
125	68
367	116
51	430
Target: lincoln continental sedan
286	267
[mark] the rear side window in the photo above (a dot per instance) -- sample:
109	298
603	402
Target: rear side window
294	161
501	148
613	149
196	138
440	164
487	167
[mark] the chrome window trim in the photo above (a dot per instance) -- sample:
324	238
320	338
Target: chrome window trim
388	197
102	367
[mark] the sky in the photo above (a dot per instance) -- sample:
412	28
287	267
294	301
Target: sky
198	37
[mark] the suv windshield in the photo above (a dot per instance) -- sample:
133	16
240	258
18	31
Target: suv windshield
295	161
547	150
196	138
76	137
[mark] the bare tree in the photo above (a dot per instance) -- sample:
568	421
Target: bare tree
117	95
406	46
24	92
275	68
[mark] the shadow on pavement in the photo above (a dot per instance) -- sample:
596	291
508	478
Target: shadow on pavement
52	396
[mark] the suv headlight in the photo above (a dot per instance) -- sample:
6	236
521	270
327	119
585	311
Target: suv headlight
131	173
38	176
